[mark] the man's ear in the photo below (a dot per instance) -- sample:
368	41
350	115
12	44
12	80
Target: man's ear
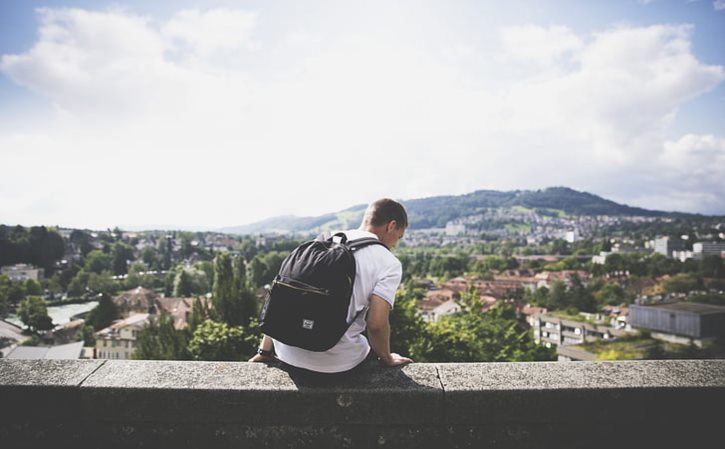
392	225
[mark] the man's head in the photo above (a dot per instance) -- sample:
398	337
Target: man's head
387	219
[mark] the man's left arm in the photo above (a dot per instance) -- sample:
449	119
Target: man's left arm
378	325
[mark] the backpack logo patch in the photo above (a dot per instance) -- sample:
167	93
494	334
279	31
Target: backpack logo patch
308	324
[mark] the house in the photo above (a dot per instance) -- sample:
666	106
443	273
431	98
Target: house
447	308
118	341
529	313
137	300
22	272
179	309
551	331
433	299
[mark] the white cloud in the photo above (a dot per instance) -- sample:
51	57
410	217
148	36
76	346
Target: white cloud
218	29
719	5
156	127
538	44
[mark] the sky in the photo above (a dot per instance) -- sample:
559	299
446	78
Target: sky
222	113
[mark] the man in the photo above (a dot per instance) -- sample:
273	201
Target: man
377	277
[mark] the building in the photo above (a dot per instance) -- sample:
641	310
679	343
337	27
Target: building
60	352
572	236
552	331
137	300
700	250
22	272
453	229
118	341
666	245
680	322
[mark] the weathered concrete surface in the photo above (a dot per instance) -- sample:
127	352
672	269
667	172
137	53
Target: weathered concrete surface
250	393
129	404
645	403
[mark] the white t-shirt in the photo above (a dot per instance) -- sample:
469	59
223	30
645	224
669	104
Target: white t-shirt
377	272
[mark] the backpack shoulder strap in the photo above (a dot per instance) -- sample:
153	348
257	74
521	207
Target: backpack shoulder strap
360	243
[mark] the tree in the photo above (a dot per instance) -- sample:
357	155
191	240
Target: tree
121	254
4	296
183	286
234	302
104	313
407	327
89	336
494	336
98	261
32	287
682	283
33	311
78	284
102	283
247	298
213	340
159	340
712	267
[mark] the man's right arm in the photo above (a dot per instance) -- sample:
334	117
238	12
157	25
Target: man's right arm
378	325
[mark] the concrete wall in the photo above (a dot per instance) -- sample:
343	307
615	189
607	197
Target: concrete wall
126	404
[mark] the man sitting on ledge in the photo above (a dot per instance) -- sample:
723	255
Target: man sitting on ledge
377	277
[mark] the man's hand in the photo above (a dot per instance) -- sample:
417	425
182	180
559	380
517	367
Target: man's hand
396	360
261	358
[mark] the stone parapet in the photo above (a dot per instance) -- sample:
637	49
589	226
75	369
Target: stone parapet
126	404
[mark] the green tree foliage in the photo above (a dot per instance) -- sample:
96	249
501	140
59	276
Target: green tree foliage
82	241
407	327
264	267
78	284
121	254
33	311
32	287
37	245
139	276
104	313
496	263
183	286
234	303
213	340
712	267
159	340
4	296
682	283
247	298
102	283
97	261
494	336
89	335
190	281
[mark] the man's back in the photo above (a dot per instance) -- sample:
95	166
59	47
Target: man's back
377	272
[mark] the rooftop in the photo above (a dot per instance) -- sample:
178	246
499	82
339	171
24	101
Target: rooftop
698	308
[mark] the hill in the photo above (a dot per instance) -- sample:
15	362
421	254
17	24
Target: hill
435	212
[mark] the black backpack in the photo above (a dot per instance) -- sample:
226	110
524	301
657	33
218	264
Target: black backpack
308	303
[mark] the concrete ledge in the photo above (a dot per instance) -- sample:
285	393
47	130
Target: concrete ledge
507	405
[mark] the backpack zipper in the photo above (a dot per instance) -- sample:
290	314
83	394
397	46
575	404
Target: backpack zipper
297	285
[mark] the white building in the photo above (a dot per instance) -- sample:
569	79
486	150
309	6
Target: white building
572	236
453	228
666	245
22	272
118	341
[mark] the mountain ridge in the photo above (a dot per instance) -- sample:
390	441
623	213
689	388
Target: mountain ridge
436	211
